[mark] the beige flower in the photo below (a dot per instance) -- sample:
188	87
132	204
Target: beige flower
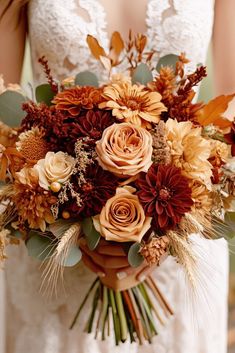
189	150
122	219
219	151
125	149
55	167
133	103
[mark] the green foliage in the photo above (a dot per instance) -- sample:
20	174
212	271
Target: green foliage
39	246
142	74
44	94
73	257
11	112
91	234
167	60
86	78
135	259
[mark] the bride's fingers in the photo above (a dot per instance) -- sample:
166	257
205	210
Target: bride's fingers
104	260
92	266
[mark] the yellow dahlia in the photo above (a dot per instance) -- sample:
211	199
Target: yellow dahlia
32	145
133	103
189	150
33	203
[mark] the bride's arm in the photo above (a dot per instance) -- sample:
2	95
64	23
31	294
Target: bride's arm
12	39
224	47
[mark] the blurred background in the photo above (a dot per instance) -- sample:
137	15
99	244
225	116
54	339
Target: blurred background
206	93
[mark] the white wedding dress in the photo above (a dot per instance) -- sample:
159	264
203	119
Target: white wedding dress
33	324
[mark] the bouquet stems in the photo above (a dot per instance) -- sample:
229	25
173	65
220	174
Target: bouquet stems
134	312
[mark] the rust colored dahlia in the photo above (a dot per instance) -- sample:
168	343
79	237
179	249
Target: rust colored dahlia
230	138
165	195
133	103
33	203
72	100
98	186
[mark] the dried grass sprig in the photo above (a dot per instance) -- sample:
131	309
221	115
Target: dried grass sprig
55	266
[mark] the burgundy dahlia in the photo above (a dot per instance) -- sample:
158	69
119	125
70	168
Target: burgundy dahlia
230	138
165	195
99	186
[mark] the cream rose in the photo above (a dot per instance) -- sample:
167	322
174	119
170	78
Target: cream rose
125	149
122	219
55	167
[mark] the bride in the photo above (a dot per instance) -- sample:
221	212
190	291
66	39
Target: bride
58	29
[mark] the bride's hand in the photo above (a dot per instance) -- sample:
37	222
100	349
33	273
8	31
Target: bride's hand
107	256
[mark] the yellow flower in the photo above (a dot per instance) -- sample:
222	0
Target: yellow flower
190	151
133	103
122	219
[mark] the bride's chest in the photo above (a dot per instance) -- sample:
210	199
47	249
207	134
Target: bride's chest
58	28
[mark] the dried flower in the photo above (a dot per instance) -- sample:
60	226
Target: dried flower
122	219
161	150
165	195
55	167
125	149
133	103
96	188
4	234
154	250
32	202
230	138
31	144
74	99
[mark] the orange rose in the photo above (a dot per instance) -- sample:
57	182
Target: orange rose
125	149
122	219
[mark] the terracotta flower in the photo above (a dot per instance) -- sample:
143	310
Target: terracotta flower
55	167
133	103
72	100
32	202
165	195
32	145
230	138
122	219
98	186
125	149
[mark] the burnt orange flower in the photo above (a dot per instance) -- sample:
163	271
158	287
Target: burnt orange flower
74	99
32	202
133	103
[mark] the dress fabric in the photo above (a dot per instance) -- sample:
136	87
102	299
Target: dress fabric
35	324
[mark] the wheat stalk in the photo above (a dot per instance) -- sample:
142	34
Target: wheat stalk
54	268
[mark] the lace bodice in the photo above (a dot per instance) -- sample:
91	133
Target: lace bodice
58	30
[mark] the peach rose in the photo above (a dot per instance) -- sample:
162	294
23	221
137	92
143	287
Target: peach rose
55	167
125	149
122	219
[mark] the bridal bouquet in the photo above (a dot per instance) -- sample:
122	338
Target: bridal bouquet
133	162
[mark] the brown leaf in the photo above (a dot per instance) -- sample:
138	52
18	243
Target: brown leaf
94	46
116	44
211	113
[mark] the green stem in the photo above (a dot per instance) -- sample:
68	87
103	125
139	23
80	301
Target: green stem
83	303
116	322
122	316
94	307
104	310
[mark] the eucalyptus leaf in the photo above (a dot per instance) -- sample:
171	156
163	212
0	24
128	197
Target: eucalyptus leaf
135	259
44	94
225	229
59	227
91	234
86	78
73	257
142	74
39	246
167	60
11	112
